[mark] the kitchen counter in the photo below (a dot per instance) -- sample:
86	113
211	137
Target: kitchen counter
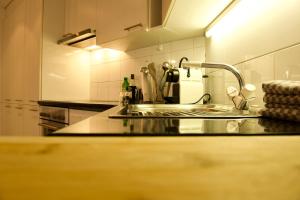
152	168
168	168
80	105
102	125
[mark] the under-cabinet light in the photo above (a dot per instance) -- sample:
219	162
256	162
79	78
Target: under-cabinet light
239	14
222	21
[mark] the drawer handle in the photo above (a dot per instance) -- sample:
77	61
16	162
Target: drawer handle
54	128
32	101
7	99
133	26
33	110
19	108
18	100
7	106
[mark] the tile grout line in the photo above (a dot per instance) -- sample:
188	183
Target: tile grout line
269	53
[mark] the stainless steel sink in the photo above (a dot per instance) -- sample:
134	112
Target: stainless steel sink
183	111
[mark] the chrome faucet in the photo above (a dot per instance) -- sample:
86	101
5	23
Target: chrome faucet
230	68
243	104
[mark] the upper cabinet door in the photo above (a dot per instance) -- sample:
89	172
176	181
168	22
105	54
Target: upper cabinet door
80	15
13	46
33	46
116	19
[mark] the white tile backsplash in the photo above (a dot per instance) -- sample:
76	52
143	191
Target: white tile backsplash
65	73
282	64
287	64
182	45
108	67
94	90
262	40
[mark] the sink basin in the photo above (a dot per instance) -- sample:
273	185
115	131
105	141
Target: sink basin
183	111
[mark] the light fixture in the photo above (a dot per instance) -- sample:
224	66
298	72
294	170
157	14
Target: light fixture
218	23
239	15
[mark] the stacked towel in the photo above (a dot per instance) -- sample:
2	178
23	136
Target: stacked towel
282	100
282	87
279	126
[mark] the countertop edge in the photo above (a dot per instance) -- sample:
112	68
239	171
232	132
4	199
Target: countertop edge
79	105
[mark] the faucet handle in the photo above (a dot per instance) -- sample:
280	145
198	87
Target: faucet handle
239	101
248	92
232	92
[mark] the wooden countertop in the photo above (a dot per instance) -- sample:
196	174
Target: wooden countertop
150	168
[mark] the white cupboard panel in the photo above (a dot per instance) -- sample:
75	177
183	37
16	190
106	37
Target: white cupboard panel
80	15
124	17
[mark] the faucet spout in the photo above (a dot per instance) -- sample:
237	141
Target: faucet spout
230	68
242	103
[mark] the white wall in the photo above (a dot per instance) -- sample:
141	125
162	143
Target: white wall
108	67
66	70
1	30
261	40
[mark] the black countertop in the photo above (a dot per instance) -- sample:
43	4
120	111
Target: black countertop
102	125
80	105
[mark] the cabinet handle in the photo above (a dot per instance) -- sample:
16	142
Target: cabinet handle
133	26
19	108
68	35
54	128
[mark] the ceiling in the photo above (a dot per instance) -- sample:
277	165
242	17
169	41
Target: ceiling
4	3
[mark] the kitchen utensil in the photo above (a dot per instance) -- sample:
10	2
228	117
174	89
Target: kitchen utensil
152	72
146	85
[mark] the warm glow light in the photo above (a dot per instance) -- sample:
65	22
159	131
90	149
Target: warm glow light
238	16
98	55
105	54
112	53
84	58
72	53
173	62
92	47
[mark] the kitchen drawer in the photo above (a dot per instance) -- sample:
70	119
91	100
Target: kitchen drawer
79	115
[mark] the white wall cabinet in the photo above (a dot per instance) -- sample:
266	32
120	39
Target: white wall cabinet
31	120
116	19
33	51
13	56
163	20
80	15
18	119
22	25
12	119
7	119
21	58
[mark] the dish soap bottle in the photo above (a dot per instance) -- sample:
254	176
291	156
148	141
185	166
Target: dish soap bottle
124	94
125	84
